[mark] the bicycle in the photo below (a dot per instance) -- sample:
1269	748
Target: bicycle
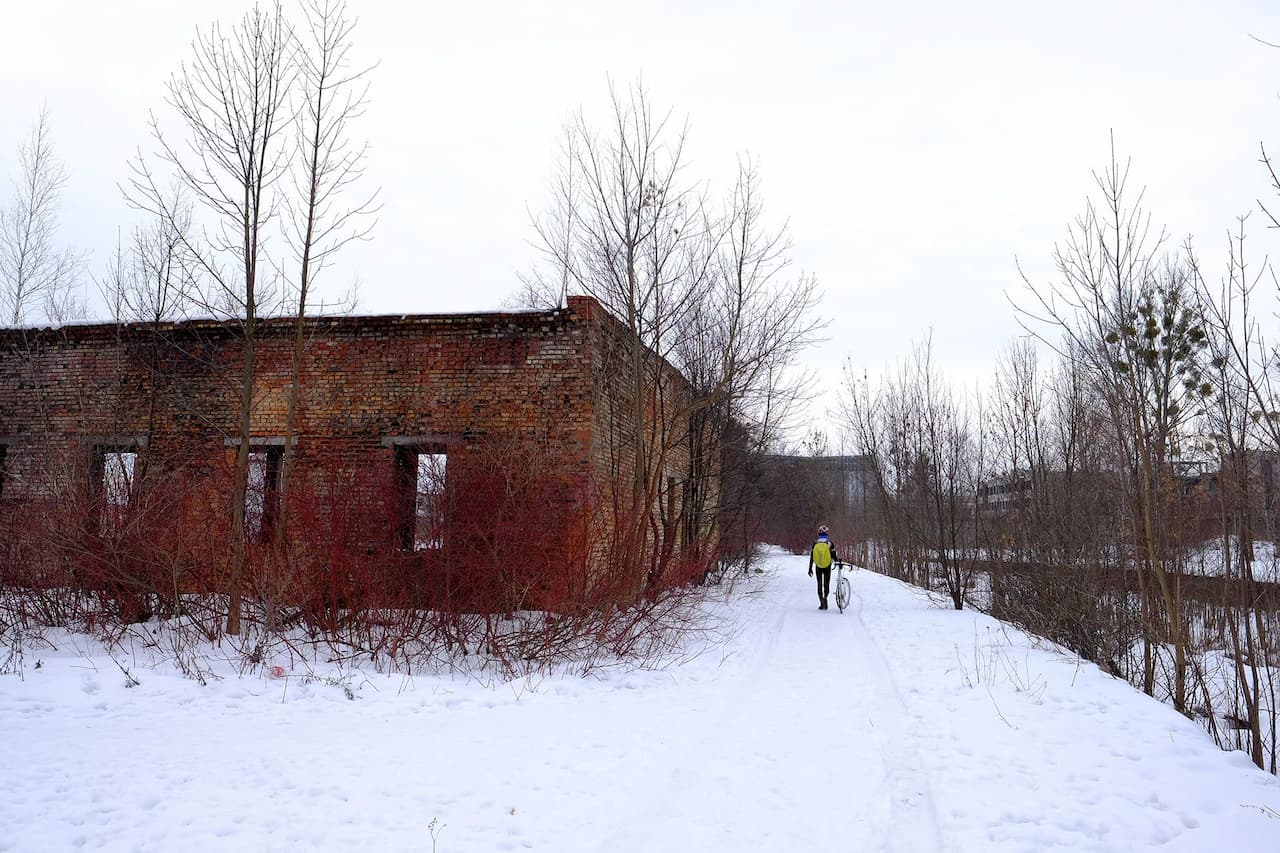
843	587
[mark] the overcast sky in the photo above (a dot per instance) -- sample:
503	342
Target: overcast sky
915	148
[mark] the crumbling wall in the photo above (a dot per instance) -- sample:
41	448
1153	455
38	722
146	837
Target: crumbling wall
513	384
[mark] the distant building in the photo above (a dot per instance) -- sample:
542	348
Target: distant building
1000	495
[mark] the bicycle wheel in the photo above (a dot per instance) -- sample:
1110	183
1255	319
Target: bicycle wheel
842	593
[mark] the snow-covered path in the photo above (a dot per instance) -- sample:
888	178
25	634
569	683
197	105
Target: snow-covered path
897	726
781	752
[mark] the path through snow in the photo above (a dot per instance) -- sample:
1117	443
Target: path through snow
897	726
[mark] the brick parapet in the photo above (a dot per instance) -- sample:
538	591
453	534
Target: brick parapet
363	379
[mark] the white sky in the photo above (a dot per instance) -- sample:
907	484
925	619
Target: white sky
915	150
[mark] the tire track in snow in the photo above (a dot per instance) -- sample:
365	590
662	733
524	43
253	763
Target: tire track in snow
765	763
683	751
913	824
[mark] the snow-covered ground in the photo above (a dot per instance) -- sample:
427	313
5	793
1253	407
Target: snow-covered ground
896	726
1210	560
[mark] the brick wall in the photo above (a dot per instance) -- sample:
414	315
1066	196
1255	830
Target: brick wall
363	379
656	454
533	410
517	382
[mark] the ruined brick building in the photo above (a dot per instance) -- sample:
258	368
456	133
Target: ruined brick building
427	446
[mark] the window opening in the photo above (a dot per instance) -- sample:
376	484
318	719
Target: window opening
115	481
262	493
422	476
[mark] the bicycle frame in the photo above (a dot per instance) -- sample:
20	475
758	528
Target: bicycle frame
843	587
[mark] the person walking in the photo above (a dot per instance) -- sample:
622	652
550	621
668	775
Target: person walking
821	557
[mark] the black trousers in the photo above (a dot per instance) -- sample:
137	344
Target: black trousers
824	582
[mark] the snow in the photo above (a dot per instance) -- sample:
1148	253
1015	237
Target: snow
1209	560
896	726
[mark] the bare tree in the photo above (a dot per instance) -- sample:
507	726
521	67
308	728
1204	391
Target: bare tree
151	277
1240	428
232	101
1016	425
334	94
548	289
927	461
703	292
1046	510
1132	321
742	337
639	241
34	272
877	433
